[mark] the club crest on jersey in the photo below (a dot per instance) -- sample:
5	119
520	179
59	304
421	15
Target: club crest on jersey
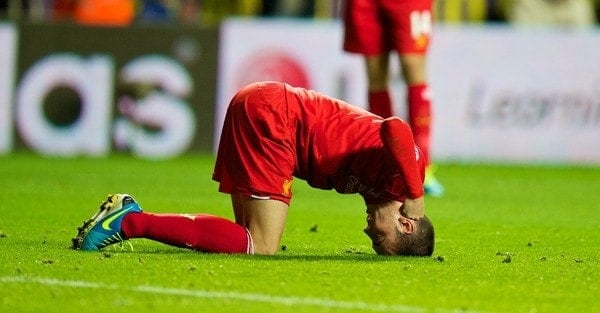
287	187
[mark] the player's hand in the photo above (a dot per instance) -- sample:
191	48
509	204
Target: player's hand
413	208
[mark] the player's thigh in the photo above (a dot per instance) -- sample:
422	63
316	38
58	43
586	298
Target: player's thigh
377	71
413	67
238	212
265	220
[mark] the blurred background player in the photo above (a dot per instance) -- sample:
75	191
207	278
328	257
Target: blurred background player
375	28
273	133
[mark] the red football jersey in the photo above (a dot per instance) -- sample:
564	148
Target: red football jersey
274	132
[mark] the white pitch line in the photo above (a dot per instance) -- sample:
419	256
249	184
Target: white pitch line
230	295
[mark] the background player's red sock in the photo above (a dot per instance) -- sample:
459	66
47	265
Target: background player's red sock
419	117
380	103
201	232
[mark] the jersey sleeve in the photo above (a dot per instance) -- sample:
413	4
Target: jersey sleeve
398	141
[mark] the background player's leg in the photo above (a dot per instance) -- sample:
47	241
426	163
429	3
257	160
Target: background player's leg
265	219
379	98
420	112
418	100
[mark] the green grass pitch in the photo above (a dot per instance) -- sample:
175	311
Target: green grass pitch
509	239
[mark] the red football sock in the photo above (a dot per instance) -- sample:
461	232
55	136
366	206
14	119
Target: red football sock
380	103
419	117
203	232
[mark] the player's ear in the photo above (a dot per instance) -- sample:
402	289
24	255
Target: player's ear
406	225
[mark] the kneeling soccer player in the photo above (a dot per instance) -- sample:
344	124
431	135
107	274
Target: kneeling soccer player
273	133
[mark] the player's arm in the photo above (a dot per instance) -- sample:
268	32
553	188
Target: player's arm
398	140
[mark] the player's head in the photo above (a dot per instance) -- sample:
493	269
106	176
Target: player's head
420	242
400	235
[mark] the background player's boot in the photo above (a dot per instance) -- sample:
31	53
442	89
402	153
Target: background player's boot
104	227
432	186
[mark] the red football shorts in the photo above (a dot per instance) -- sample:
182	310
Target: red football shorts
256	153
374	27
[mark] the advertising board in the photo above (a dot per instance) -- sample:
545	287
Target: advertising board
78	90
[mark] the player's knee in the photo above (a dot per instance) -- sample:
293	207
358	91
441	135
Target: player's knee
265	249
